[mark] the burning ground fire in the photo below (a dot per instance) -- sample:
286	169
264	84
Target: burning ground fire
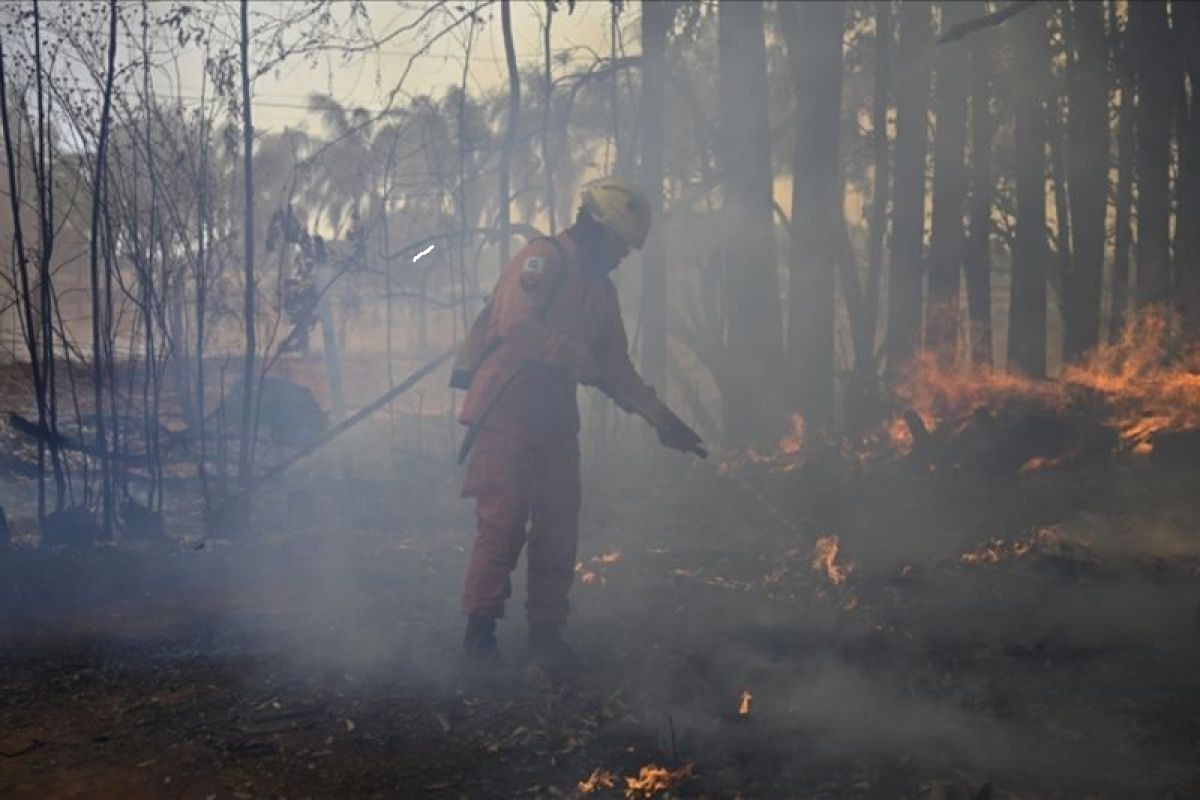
1144	384
825	560
653	779
788	454
593	577
599	779
1145	389
994	551
650	780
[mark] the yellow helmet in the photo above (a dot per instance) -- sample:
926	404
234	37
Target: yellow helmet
619	206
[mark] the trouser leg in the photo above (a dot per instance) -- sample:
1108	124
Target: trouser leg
498	479
553	532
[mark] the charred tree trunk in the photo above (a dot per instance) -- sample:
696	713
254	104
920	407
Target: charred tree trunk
1123	233
1186	29
882	179
248	383
908	199
547	99
1027	311
656	22
1087	176
25	295
751	402
47	300
329	345
977	263
100	320
510	130
814	45
151	386
1148	38
201	281
1059	274
947	237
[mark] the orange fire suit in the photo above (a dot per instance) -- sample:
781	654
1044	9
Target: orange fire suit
550	322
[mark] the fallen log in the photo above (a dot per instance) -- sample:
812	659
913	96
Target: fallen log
1175	449
62	441
1007	442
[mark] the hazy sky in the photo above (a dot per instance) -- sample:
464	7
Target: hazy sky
366	79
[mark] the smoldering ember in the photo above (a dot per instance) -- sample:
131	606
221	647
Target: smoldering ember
550	398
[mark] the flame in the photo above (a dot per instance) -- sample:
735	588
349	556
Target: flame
825	560
791	444
1149	378
599	779
744	708
607	557
787	456
942	393
652	779
1146	382
589	577
899	436
993	551
1042	462
593	577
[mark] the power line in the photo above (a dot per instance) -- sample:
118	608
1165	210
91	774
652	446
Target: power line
534	59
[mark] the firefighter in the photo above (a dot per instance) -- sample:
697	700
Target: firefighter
553	322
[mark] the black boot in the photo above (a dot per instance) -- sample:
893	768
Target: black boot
550	652
479	643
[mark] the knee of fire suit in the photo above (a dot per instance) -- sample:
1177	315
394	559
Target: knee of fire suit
498	542
553	534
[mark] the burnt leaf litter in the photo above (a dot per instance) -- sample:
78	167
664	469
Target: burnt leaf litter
959	635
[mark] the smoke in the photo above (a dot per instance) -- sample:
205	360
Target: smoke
921	663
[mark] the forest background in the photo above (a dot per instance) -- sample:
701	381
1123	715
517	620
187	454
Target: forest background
203	196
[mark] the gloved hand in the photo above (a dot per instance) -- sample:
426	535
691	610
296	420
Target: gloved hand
675	433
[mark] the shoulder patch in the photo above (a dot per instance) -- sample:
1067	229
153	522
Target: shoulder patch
532	272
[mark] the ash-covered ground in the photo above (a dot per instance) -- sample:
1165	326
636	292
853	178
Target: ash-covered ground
962	636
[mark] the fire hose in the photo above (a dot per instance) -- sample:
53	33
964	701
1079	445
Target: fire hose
364	412
748	489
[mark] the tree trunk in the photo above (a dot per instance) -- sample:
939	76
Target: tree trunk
656	22
906	275
1087	176
882	178
510	130
248	383
99	320
547	98
814	46
1122	234
752	403
25	295
201	281
947	239
329	346
1186	24
977	264
1156	77
1027	310
1056	139
45	192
